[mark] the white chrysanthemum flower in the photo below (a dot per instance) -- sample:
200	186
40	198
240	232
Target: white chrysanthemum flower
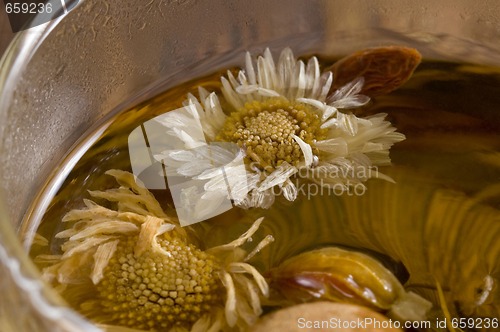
286	125
133	266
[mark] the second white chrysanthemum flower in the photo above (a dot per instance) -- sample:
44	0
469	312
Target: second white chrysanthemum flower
284	125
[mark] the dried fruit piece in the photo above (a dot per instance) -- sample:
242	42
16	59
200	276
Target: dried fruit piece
339	275
384	69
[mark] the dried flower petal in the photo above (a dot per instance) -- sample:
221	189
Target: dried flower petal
277	115
140	270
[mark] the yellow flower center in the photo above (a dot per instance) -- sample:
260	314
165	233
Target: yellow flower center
264	129
161	288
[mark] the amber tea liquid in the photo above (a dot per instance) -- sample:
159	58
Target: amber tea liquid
439	221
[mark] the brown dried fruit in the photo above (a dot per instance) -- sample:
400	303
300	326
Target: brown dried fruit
384	69
338	275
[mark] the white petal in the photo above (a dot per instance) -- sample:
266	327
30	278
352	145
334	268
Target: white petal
395	137
273	71
257	199
202	161
289	190
238	267
332	123
301	80
264	78
242	78
181	155
207	207
184	125
337	145
230	95
225	178
214	157
230	306
210	115
240	190
193	168
243	81
194	108
216	113
217	182
326	83
101	259
351	101
360	160
108	227
306	150
232	80
249	89
164	228
268	93
278	176
180	118
348	123
371	147
312	75
266	70
341	162
203	93
189	140
191	99
249	68
313	102
328	112
222	154
286	71
349	89
262	199
85	245
382	176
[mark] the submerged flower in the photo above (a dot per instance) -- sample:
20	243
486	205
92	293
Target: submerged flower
146	272
286	124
